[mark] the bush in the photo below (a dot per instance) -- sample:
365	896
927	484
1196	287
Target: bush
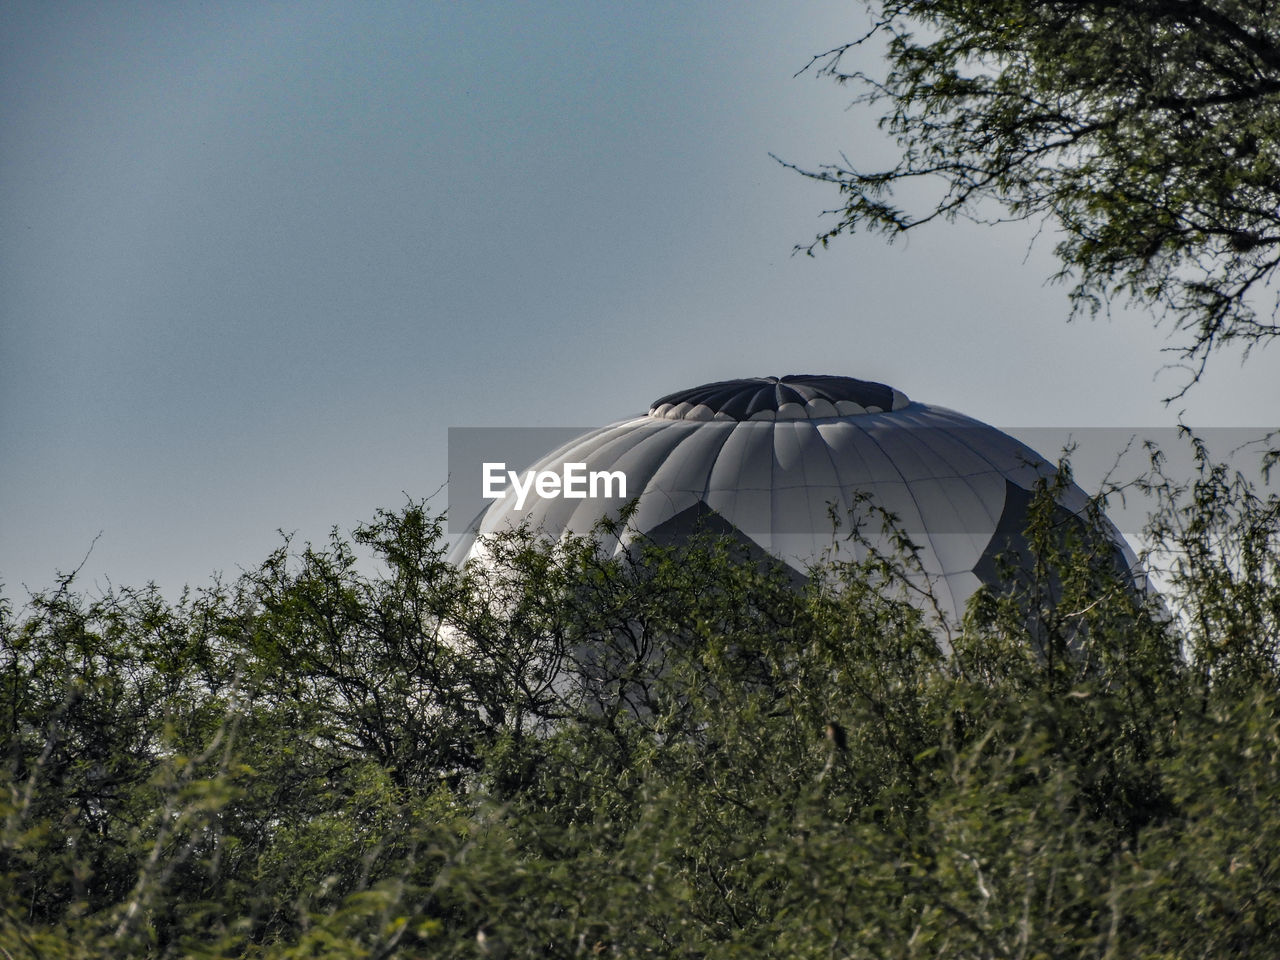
674	753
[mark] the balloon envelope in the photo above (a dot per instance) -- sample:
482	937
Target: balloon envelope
788	464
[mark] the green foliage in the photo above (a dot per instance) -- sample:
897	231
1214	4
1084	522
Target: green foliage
361	751
1145	131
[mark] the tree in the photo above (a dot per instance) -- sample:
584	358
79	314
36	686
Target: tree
358	751
1147	132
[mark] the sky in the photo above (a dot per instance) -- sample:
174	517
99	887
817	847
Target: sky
257	258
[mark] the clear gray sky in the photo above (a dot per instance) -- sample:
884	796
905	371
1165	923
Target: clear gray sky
256	258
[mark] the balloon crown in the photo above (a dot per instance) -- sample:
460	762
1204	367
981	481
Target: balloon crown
793	397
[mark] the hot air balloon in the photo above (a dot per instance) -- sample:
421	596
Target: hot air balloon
787	464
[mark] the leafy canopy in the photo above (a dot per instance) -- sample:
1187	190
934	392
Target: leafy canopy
1147	132
359	751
